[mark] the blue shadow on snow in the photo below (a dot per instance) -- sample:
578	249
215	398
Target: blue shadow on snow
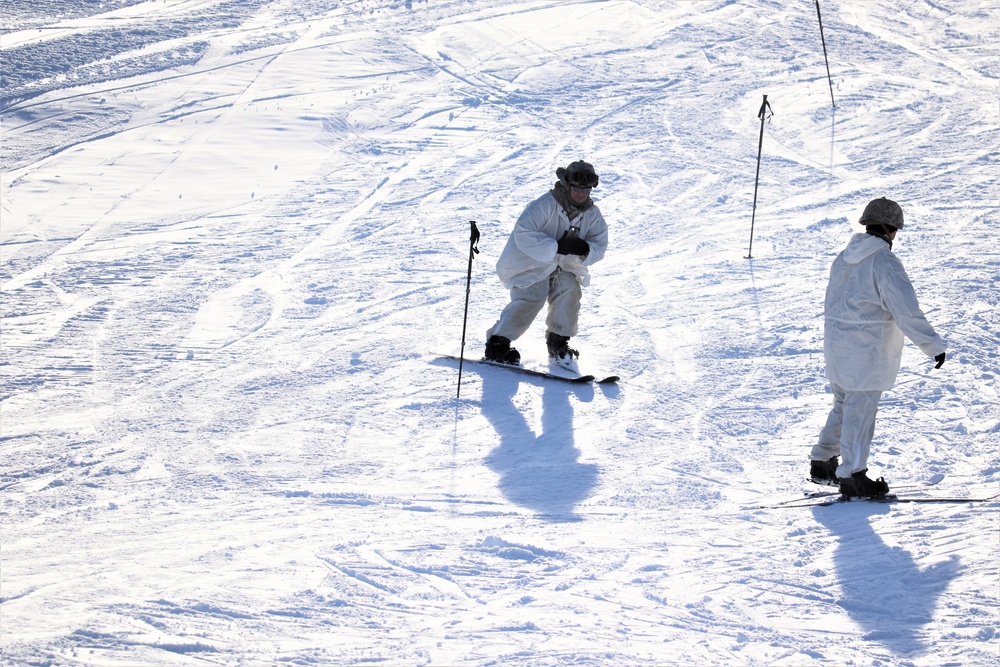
540	472
882	588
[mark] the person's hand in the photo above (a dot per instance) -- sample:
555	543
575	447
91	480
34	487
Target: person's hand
940	360
573	245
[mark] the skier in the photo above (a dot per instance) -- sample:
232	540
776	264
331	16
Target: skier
555	239
870	305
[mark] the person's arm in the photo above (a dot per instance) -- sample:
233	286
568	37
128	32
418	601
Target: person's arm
528	233
900	299
597	239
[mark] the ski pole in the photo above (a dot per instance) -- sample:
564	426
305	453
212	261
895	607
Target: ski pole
473	250
827	60
762	114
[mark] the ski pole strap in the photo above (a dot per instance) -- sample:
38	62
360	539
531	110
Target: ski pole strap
474	241
765	108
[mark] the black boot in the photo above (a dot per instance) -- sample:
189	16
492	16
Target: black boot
559	348
498	349
824	472
859	486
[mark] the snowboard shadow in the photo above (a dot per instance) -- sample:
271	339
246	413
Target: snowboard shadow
882	588
540	471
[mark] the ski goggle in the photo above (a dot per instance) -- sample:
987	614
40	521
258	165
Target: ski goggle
582	179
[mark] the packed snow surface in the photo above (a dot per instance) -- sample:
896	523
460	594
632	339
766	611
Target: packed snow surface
235	236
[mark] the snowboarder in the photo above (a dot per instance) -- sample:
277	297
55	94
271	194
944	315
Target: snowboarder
555	239
870	305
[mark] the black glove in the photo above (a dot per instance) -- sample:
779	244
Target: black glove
573	245
940	360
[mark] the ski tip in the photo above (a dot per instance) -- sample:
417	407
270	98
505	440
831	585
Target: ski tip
611	379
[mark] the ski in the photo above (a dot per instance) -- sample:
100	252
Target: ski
935	479
826	499
813	495
579	379
808	497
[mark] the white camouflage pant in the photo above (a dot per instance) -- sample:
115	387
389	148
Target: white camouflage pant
563	293
849	429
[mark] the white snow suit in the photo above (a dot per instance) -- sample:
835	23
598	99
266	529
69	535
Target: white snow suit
870	306
531	269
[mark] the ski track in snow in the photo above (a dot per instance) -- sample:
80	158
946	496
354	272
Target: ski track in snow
234	233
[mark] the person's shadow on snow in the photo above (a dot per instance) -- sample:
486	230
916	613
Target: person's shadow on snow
540	471
882	588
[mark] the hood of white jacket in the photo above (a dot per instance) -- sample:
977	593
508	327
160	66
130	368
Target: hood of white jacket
861	246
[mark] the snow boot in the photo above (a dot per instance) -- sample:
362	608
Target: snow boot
498	349
859	486
560	352
824	472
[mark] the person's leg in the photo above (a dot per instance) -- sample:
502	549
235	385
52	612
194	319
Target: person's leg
525	304
828	445
823	457
564	295
860	408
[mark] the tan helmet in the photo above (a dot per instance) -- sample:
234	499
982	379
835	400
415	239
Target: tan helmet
882	211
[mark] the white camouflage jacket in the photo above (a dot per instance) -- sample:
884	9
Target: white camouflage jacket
870	306
530	253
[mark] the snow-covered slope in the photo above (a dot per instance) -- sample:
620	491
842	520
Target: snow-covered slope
234	234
